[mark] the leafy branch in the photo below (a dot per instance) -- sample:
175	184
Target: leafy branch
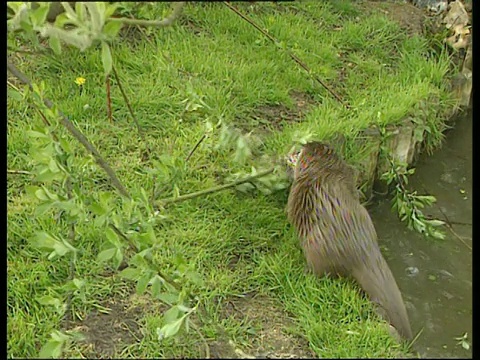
74	131
171	200
408	204
169	20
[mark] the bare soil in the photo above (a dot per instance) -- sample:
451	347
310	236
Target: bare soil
410	17
106	333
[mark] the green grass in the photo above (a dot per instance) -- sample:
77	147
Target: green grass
239	244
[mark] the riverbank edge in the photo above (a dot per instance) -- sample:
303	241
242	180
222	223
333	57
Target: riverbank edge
405	140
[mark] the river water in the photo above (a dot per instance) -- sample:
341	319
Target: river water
435	276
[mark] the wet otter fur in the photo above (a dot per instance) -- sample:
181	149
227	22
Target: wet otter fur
336	231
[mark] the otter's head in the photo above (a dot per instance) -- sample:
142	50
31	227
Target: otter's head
313	155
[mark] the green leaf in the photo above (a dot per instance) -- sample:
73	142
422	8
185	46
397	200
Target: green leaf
30	190
78	283
49	300
171	329
168	298
62	20
438	235
194	277
118	258
110	10
156	285
15	5
52	349
14	94
148	236
80	10
44	240
112	28
66	244
52	165
97	15
97	209
106	58
60	336
47	176
26	25
112	237
106	255
435	222
131	273
41	195
142	283
43	208
184	308
55	44
171	315
37	134
39	15
100	221
69	11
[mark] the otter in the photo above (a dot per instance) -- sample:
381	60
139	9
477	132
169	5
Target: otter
336	232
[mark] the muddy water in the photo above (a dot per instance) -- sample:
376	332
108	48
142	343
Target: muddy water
436	276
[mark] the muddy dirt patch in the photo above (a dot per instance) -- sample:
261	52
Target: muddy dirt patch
273	117
106	333
408	16
271	339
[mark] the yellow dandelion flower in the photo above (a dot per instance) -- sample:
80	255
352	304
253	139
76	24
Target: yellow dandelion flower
80	81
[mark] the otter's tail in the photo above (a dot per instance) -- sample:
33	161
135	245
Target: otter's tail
376	279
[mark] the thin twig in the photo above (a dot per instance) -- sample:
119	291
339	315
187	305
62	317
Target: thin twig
75	133
28	52
109	99
13	86
124	237
125	98
164	202
450	227
290	53
132	245
415	338
207	348
195	147
19	172
448	223
46	122
71	237
177	10
460	223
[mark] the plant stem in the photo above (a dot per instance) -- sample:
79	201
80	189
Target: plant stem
164	202
125	98
177	10
195	147
19	172
75	133
109	99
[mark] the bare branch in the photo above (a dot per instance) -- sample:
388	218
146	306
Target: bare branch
75	133
164	202
19	172
125	98
109	99
169	20
195	147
